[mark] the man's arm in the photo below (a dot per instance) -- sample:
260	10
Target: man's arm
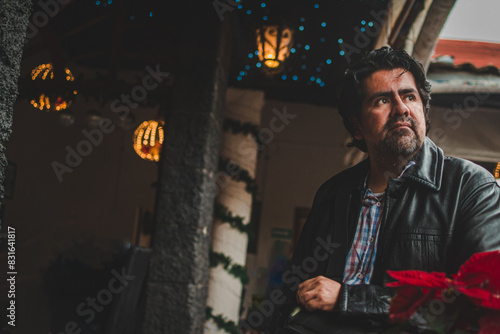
321	293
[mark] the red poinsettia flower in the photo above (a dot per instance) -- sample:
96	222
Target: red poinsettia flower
407	301
479	279
490	323
414	289
418	278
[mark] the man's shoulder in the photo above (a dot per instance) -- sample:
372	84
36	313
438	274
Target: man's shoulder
345	179
467	170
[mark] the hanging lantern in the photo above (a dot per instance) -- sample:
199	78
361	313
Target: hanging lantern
148	138
52	98
274	43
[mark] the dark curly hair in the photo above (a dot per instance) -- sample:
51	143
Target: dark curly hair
352	93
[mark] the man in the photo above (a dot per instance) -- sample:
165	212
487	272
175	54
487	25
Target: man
406	207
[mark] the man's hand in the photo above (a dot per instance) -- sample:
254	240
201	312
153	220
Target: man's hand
319	293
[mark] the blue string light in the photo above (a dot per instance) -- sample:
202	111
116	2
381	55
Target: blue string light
370	24
312	78
250	55
249	12
240	6
363	22
258	65
247	67
264	18
295	78
362	29
239	78
342	53
283	77
307	47
323	24
322	39
328	61
263	5
316	6
301	28
292	50
340	41
151	14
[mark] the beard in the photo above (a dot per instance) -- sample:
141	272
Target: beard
403	141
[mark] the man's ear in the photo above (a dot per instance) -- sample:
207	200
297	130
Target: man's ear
357	128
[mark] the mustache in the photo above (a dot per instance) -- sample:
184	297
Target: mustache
405	119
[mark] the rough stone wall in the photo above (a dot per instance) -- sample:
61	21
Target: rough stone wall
14	15
179	269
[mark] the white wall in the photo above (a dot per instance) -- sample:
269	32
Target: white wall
309	150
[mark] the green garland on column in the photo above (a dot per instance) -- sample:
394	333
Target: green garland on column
242	175
223	214
238	127
221	322
236	270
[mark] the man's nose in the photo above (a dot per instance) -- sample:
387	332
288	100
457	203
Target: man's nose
399	108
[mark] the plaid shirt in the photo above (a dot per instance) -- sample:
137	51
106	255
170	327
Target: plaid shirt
361	257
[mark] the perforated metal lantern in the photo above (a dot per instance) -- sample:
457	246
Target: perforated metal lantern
148	139
274	43
48	96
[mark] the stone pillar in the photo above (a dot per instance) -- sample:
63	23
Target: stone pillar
177	283
14	20
238	157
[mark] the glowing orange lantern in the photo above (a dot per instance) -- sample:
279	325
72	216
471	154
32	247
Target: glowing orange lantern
148	138
274	43
51	101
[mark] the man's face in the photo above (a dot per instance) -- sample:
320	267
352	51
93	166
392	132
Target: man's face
392	118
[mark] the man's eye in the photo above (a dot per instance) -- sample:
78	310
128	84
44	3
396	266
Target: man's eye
382	101
411	97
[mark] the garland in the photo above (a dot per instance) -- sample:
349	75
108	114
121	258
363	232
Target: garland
237	127
241	175
222	213
236	270
221	322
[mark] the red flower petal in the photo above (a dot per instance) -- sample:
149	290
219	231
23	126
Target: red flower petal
480	267
407	301
479	279
419	279
482	297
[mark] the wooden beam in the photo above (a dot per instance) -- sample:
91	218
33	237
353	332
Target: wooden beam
427	39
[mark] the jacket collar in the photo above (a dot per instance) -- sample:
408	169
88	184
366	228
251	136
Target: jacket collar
428	169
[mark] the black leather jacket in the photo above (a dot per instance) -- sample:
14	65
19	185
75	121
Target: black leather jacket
436	216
